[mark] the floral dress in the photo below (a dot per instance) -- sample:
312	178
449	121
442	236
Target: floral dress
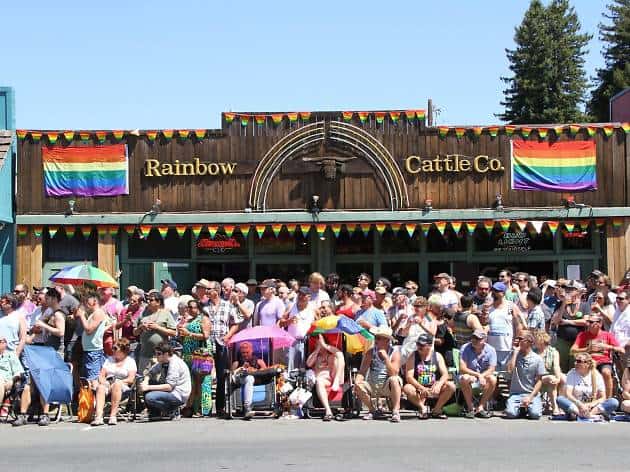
189	346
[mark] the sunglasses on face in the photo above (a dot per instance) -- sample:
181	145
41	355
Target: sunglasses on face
619	299
152	299
581	361
158	353
594	321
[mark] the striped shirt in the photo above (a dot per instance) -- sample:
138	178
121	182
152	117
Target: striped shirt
222	316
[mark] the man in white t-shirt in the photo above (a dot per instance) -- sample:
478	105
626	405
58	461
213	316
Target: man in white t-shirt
171	301
450	301
298	320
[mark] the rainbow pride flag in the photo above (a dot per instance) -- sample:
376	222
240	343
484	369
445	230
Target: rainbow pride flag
567	166
86	171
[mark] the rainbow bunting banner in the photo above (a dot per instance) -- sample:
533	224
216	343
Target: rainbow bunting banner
394	116
22	230
522	224
180	230
443	131
509	130
336	229
489	225
421	114
441	226
380	117
493	131
460	132
293	117
542	132
599	222
21	134
52	231
617	223
244	229
457	226
68	136
163	230
70	231
196	230
228	230
100	136
537	225
426	227
244	120
569	226
410	115
608	131
558	130
101	231
38	231
52	138
86	231
477	130
305	115
260	119
625	127
199	133
118	135
590	131
152	136
584	224
276	228
291	227
86	171
471	226
365	228
321	229
305	229
36	136
84	136
145	230
260	230
363	116
276	118
229	117
380	227
525	131
561	166
574	129
347	116
212	230
553	226
505	225
168	134
395	227
183	133
411	228
113	230
129	229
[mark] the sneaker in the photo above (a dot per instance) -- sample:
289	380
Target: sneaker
484	414
113	421
98	421
175	415
44	420
20	420
379	414
395	417
248	413
368	416
470	414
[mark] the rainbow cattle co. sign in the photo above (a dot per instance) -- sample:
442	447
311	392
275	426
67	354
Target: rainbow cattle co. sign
453	163
155	168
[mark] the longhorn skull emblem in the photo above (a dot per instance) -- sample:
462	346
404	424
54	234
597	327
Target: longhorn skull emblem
329	164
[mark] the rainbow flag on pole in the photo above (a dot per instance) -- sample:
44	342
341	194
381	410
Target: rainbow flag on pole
86	171
567	166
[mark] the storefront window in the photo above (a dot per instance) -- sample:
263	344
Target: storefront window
355	242
284	243
399	241
577	239
399	272
285	272
220	245
239	271
450	241
156	248
78	248
349	272
513	241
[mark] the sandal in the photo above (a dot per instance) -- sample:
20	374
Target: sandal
484	414
439	416
423	415
327	418
339	417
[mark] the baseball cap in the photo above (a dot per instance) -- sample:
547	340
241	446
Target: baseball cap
499	287
203	283
442	275
424	339
399	291
170	282
479	334
596	274
251	282
241	287
268	283
368	293
304	291
381	290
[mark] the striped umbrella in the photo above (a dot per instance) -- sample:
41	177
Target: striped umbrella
358	339
80	274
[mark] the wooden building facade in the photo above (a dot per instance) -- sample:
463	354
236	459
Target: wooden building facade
393	197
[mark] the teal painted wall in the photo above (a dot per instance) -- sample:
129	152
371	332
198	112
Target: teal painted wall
7	179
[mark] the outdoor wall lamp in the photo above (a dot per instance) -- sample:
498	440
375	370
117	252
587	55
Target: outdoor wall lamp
70	211
498	202
155	209
315	205
428	205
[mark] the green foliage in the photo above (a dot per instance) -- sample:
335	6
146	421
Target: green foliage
615	76
548	83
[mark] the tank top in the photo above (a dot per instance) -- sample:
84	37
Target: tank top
345	311
501	327
56	342
426	370
10	329
94	341
378	369
462	332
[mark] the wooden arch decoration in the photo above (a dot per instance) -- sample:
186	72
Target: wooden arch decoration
312	135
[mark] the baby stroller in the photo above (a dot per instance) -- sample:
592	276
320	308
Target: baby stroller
267	344
350	338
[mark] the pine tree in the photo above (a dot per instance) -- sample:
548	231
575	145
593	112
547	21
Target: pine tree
548	83
615	76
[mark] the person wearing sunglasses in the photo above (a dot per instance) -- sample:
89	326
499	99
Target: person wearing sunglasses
600	345
527	369
585	394
620	327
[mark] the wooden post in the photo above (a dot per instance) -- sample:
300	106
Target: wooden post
29	260
107	254
430	113
618	250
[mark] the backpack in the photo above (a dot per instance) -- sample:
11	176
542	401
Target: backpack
85	410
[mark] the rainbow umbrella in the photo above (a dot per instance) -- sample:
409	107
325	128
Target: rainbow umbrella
358	339
84	273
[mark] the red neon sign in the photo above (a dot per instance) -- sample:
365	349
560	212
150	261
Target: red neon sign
207	243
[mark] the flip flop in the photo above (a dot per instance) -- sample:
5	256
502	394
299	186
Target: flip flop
339	417
439	416
327	418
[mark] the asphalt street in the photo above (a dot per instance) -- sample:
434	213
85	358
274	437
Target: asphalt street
265	444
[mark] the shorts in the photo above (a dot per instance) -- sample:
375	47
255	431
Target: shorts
379	389
601	366
92	363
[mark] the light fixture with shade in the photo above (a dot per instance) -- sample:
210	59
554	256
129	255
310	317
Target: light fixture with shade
498	202
71	207
315	205
428	205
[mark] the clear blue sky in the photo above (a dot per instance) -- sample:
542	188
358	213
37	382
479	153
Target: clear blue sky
158	64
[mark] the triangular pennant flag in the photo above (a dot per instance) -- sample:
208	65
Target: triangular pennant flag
182	133
525	131
522	224
52	138
70	231
410	114
180	230
199	134
471	226
558	130
365	228
291	228
570	226
421	114
113	230
347	116
380	117
276	228
617	223
152	136
443	131
395	227
608	131
394	116
86	230
425	228
118	135
305	115
168	134
22	230
228	230
276	118
477	130
36	136
100	136
489	225
101	230
260	230
38	231
457	226
590	131
542	132
244	229
625	127
52	231
244	120
509	130
411	228
163	230
84	136
584	224
363	116
505	225
460	132
305	229
129	229
493	131
553	226
574	129
212	230
599	222
229	117
21	134
336	229
380	227
441	226
293	117
260	120
196	230
537	225
145	230
321	229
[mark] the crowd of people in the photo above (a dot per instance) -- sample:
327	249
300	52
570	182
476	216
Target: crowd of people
558	344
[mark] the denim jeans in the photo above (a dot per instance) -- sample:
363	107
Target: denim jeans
163	402
247	389
609	406
296	355
513	405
